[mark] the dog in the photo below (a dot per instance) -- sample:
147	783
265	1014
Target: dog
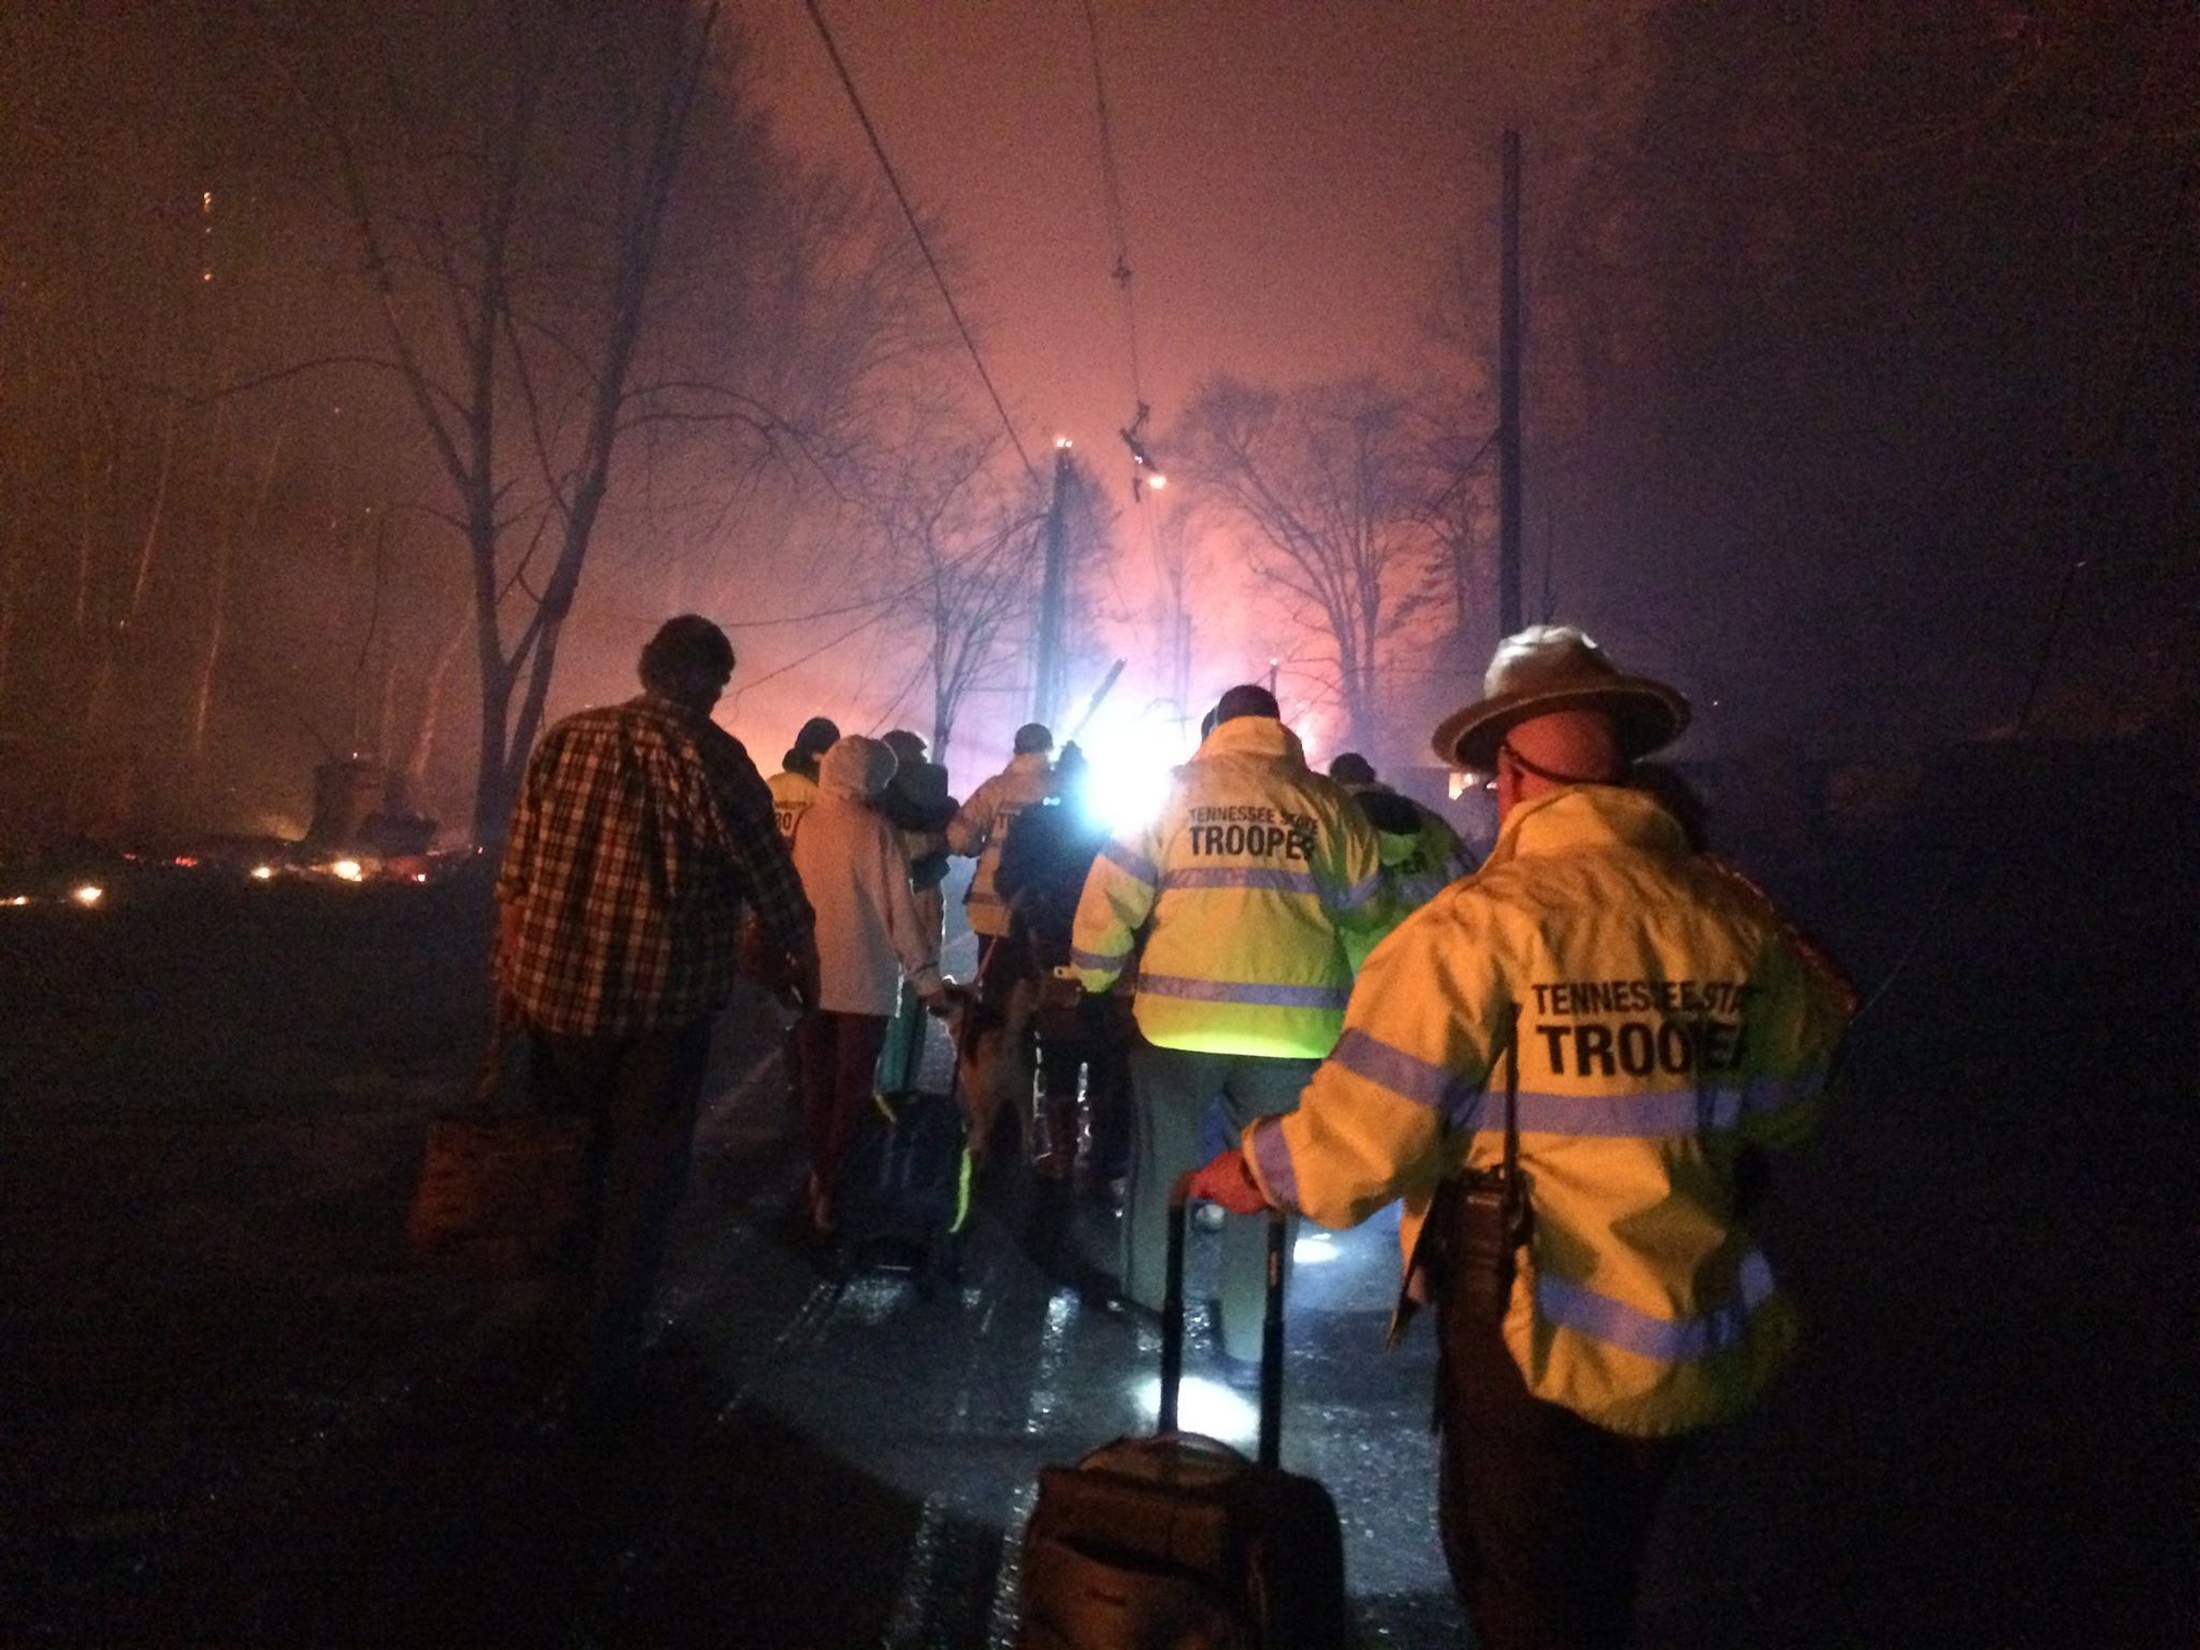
996	1064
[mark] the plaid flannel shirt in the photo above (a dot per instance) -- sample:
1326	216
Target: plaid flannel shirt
639	830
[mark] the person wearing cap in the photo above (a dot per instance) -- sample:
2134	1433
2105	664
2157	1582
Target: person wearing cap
1243	886
869	937
980	828
794	787
1421	852
641	833
1650	1024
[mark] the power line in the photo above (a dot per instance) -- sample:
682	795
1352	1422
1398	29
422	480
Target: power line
1111	182
924	246
886	604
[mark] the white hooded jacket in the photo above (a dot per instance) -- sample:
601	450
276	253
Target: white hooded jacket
854	870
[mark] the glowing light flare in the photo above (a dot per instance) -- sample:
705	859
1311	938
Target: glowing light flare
263	873
1206	1407
1132	765
19	899
1315	1249
88	894
349	870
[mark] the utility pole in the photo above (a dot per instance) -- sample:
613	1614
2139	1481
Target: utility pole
1049	676
1509	618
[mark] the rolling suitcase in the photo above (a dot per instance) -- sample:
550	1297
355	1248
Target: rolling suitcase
1178	1540
904	1189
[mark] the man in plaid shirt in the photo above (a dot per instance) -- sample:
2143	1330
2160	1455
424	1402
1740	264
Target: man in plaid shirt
640	831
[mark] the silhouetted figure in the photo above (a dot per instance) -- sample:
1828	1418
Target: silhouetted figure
640	831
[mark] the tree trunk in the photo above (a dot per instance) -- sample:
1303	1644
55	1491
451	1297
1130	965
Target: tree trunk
111	636
431	714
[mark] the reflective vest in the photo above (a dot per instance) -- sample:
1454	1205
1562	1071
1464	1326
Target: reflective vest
792	794
982	827
1422	854
1667	1017
1242	882
1420	864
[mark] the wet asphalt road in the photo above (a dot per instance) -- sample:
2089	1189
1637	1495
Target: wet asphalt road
238	1414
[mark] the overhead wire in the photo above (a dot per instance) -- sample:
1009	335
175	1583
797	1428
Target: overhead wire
886	606
1111	183
916	228
1118	225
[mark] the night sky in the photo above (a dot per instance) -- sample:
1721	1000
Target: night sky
1859	360
1294	178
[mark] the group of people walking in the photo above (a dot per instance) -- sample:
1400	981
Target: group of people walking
1566	1065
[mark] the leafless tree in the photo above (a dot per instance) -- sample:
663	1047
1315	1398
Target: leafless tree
508	170
1325	492
958	561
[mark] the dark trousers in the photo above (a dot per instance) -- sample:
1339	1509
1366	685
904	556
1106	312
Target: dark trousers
1170	1087
839	1059
640	1096
1096	1045
1544	1516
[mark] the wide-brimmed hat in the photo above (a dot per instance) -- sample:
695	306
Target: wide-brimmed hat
1554	667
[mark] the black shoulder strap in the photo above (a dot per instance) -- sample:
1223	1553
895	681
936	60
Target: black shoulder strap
1515	1193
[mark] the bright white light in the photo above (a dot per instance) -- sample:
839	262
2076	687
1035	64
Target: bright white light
262	873
1207	1407
1062	443
1132	763
20	899
349	869
89	894
1314	1249
1156	480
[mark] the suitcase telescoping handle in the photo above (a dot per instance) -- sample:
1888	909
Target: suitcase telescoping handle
1271	1326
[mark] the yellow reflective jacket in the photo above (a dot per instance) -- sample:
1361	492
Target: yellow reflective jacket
792	794
980	828
1242	883
1422	854
1667	1018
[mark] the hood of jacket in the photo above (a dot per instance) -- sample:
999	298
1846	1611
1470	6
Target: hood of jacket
856	768
1260	736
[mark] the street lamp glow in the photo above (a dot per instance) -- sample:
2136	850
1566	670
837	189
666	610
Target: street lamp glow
263	873
349	869
1315	1248
1205	1407
88	895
